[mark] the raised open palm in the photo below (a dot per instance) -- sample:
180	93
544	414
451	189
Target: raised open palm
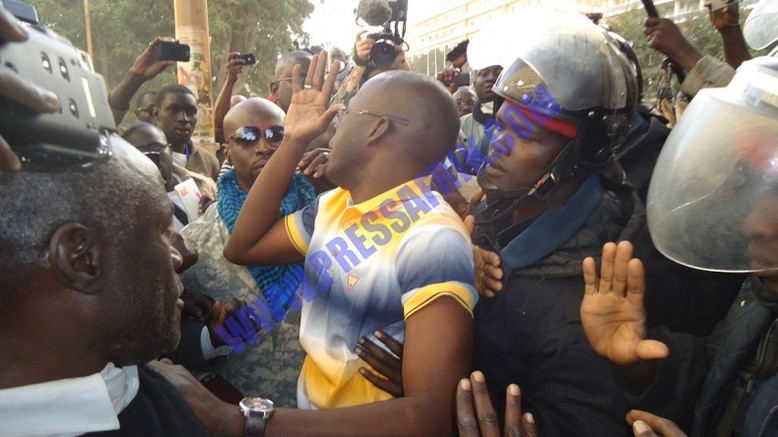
612	312
309	112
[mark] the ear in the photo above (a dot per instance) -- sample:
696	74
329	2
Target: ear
75	257
155	115
274	88
379	129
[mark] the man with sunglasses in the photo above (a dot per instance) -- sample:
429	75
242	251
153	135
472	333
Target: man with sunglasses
254	130
413	281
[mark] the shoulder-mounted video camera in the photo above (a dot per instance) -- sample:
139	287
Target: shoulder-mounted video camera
392	16
77	135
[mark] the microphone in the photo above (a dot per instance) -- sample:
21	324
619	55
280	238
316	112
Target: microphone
374	12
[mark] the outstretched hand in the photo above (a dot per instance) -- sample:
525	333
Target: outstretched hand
309	113
476	415
612	312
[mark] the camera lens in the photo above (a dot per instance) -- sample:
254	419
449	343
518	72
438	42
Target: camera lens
383	53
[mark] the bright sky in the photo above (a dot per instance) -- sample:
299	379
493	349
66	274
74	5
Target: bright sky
332	23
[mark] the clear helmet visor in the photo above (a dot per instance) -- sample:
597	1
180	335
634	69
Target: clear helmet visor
713	199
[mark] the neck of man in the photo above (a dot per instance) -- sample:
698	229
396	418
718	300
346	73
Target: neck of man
373	181
181	147
42	342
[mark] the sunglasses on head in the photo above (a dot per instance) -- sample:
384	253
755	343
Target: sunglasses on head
249	136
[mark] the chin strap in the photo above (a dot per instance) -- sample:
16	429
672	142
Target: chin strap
497	214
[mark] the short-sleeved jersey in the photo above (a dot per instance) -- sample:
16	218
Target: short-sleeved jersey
370	266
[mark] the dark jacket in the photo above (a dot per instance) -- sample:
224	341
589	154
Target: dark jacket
700	374
531	333
157	410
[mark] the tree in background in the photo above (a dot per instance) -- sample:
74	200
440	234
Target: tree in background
122	28
696	26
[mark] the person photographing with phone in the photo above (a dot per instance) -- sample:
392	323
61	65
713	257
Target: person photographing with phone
235	64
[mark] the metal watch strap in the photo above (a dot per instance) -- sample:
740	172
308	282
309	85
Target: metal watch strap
254	425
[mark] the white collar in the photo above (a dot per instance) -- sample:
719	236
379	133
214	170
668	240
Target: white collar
69	407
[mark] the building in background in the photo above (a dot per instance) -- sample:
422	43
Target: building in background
442	24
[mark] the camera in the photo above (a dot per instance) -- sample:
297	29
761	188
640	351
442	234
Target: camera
392	16
248	58
76	135
173	51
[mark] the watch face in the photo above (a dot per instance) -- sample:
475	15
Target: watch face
258	405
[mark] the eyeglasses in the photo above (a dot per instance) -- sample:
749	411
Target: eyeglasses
290	79
344	111
248	136
155	147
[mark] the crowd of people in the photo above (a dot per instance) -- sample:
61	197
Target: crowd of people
377	252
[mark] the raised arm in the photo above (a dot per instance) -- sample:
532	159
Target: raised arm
727	21
146	67
222	106
259	237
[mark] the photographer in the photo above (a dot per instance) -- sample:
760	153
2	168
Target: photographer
223	104
146	67
364	69
15	88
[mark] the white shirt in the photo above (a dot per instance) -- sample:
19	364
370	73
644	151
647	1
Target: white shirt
68	407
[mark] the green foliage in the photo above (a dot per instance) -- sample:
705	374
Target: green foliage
121	29
695	26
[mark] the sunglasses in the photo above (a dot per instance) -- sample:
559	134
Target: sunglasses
248	136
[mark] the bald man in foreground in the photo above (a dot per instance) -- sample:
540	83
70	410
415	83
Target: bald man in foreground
382	251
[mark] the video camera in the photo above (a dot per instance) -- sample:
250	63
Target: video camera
77	135
392	15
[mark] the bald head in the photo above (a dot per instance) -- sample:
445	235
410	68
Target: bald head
237	98
281	87
252	112
287	61
430	109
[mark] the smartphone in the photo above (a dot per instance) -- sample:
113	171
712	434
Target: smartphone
715	5
173	51
462	80
248	58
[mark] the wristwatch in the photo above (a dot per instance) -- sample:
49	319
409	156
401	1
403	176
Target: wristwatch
257	412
